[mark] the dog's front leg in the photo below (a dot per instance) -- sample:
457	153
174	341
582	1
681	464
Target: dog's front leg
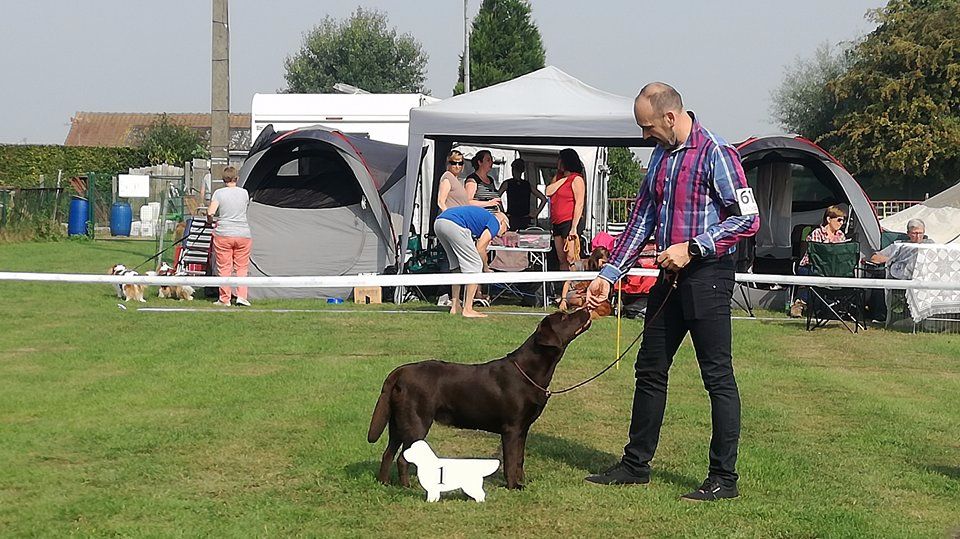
512	459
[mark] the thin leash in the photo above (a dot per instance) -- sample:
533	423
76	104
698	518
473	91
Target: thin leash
174	244
548	393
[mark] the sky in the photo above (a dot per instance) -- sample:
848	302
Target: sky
63	56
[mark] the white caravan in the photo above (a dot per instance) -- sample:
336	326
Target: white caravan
383	117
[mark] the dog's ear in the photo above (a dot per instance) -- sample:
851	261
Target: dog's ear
546	335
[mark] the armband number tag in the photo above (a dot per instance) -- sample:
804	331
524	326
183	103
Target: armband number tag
746	202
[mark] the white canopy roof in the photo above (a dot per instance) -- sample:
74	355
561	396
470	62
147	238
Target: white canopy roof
545	104
940	214
545	107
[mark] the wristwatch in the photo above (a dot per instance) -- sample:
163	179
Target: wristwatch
693	249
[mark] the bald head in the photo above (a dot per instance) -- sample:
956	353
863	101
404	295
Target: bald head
659	112
662	97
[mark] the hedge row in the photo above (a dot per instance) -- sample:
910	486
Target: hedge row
22	164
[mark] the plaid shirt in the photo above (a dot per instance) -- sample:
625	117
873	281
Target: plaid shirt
820	235
687	194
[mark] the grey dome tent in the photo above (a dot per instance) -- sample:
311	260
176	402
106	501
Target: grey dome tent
322	203
794	180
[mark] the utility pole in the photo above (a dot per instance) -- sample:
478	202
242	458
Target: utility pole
466	51
220	87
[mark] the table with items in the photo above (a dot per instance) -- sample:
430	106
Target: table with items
928	262
535	243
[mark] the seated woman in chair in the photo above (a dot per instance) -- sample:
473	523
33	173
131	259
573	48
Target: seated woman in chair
829	232
574	293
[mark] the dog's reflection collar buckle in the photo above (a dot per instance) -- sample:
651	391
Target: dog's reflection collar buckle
536	385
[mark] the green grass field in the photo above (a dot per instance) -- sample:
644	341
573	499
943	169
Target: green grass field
237	423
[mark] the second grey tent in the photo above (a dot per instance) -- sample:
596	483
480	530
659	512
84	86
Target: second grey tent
322	203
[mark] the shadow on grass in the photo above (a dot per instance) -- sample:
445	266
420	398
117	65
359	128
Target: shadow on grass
592	460
367	470
953	472
541	446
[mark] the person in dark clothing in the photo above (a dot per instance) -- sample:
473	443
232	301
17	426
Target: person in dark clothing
695	202
518	191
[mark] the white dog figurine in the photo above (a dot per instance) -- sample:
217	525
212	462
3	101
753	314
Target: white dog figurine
438	475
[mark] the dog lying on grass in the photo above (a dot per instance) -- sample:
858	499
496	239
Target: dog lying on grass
176	292
493	396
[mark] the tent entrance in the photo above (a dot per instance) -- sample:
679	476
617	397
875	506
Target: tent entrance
305	176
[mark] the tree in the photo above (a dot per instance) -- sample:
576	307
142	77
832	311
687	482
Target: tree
625	173
898	104
803	103
361	51
504	44
168	142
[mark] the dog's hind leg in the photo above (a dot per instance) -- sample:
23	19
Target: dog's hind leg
392	446
403	471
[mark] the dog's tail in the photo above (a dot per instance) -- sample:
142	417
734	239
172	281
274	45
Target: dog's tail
381	413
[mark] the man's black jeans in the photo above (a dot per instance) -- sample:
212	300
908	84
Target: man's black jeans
700	304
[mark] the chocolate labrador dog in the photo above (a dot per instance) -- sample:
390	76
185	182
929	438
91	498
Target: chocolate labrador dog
493	396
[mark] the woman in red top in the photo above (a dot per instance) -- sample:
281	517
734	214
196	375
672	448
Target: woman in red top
567	192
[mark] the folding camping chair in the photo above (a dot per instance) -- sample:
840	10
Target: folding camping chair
830	302
508	261
433	259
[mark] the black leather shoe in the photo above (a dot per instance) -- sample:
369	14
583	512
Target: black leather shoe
712	489
618	475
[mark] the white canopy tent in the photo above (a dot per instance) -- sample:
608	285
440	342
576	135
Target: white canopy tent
546	107
940	214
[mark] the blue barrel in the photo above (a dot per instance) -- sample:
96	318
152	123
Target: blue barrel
77	223
121	216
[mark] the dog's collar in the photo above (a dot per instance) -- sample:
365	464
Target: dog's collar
546	391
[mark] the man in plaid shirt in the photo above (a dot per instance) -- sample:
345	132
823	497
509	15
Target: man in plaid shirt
696	203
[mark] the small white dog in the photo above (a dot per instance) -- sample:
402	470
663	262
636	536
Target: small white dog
181	292
128	291
438	475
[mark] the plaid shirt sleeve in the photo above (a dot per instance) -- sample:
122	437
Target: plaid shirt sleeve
639	227
728	176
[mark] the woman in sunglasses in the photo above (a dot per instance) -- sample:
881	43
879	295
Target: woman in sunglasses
830	231
450	192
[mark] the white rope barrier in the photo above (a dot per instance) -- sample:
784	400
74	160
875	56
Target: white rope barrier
426	279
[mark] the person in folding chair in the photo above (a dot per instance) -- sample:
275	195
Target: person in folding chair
840	303
898	262
574	294
830	231
465	232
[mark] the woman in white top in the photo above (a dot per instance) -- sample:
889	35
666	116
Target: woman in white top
231	238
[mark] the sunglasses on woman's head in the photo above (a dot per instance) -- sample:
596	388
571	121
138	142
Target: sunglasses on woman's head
455	163
841	219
